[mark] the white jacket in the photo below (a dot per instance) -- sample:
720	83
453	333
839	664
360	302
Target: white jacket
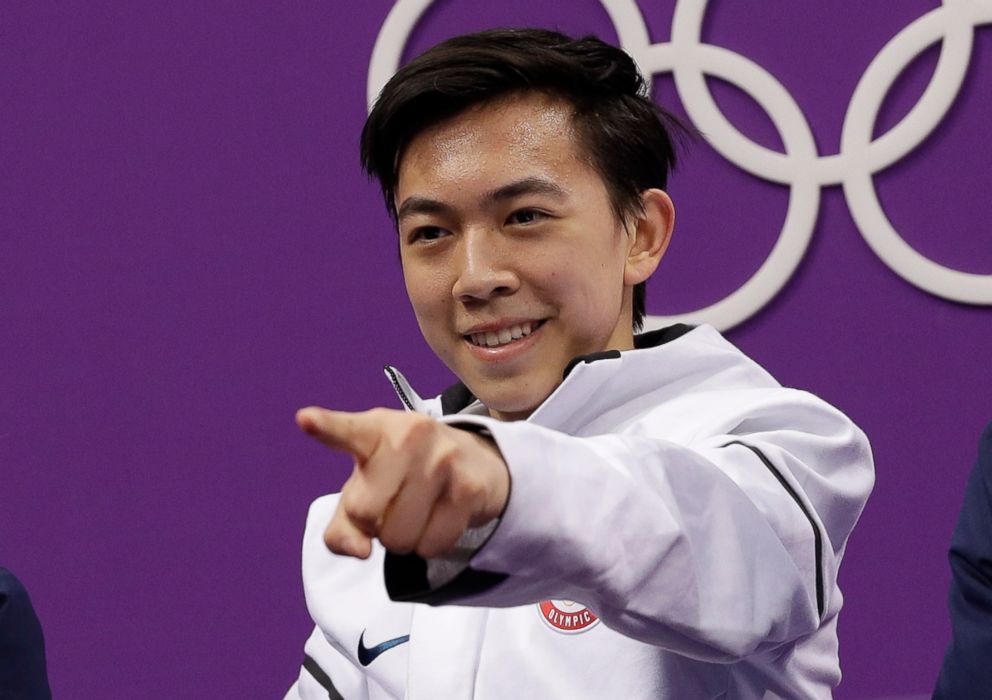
699	509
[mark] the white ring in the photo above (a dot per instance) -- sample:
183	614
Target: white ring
689	60
800	167
955	23
390	43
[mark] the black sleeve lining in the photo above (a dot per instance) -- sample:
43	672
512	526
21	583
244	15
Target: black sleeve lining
817	537
406	581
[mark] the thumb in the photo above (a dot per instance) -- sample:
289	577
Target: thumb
344	537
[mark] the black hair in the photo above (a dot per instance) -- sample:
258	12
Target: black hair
626	137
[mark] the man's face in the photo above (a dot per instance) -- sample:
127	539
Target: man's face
512	255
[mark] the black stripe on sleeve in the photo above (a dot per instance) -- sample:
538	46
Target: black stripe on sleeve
321	677
817	538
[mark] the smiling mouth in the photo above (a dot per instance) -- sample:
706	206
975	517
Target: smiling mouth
504	336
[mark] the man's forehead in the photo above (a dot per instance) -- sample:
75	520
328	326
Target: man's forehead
520	136
530	121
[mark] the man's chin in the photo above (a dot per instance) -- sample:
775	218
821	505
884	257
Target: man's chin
509	402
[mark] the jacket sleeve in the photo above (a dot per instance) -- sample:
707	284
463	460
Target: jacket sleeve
716	548
332	586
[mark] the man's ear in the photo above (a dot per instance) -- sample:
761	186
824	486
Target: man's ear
651	232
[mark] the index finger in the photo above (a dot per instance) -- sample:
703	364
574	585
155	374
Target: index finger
339	429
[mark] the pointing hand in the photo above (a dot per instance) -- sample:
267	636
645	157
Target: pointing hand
417	484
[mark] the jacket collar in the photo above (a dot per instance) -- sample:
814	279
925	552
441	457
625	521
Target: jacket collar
457	397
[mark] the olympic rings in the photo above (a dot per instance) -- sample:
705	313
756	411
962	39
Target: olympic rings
801	167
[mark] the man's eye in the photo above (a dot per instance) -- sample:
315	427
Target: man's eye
525	216
426	233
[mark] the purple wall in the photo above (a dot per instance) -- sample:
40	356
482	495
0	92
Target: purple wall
189	252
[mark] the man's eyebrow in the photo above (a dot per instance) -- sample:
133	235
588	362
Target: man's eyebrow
421	205
528	185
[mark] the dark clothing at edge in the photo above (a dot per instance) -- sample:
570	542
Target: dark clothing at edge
967	669
22	647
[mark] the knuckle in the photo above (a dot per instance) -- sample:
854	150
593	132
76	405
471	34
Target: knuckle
415	430
397	542
442	463
449	453
334	541
360	511
465	488
420	426
442	532
378	413
335	536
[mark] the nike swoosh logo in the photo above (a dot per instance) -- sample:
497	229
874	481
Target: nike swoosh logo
367	655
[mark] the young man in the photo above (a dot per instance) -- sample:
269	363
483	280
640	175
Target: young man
587	513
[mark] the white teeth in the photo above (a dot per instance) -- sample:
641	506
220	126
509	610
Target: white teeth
521	331
504	336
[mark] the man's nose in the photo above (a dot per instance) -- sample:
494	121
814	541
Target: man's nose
484	268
